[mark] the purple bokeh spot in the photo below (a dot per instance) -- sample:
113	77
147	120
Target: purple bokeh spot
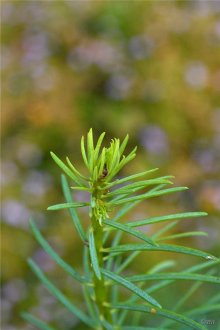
155	141
15	213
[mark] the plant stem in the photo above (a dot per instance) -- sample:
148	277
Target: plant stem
100	288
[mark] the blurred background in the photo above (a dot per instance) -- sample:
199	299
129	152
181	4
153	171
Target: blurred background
146	68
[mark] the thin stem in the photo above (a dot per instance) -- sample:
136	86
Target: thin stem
101	290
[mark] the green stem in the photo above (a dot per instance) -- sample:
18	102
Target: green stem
101	290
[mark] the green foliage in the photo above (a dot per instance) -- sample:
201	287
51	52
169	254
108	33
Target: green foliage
104	268
35	321
93	254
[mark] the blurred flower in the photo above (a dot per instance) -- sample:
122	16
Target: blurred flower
29	14
43	260
35	48
6	11
33	13
206	8
34	59
118	86
207	154
100	53
196	75
6	309
37	183
14	290
206	159
15	213
141	47
155	141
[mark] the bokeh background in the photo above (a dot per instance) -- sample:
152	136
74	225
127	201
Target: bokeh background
147	68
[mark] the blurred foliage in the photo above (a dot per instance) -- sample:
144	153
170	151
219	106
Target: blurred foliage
147	68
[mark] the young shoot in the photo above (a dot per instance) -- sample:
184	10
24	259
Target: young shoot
113	297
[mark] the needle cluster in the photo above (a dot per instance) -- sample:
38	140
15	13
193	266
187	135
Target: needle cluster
105	260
